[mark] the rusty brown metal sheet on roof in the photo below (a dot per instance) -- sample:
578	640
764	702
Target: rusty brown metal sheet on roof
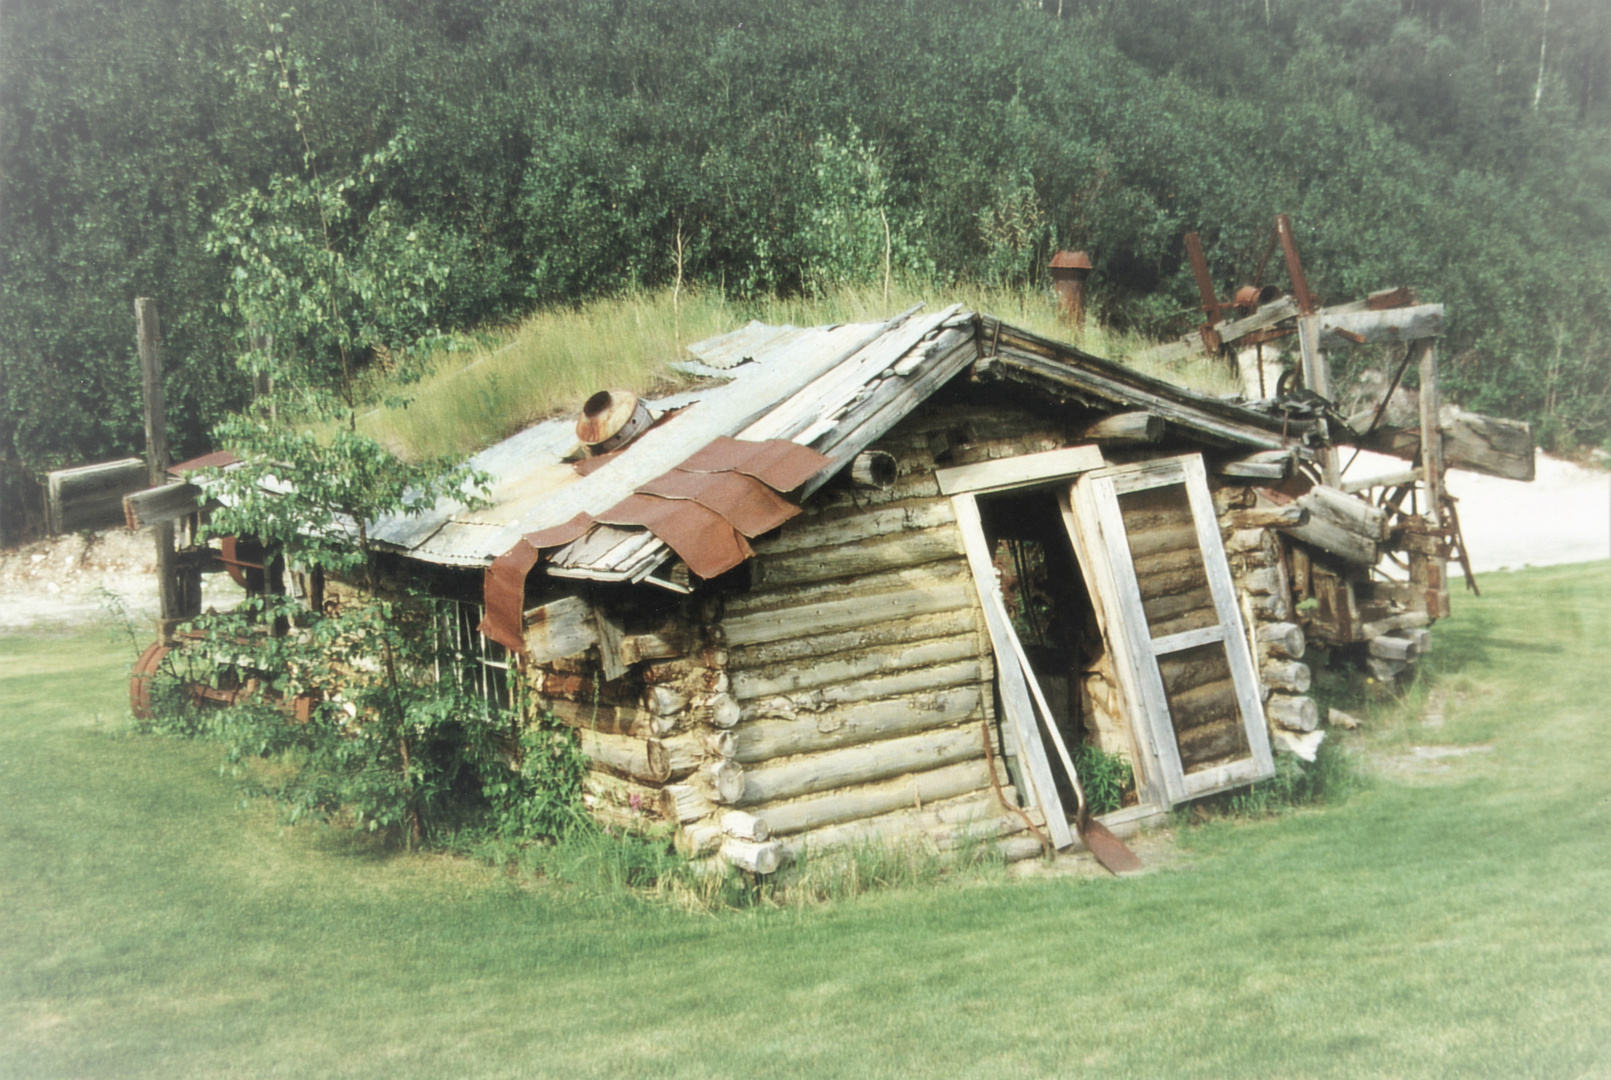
561	534
702	537
218	459
745	502
778	463
503	590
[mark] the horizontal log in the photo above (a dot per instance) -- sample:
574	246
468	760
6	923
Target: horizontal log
1176	536
1266	517
1204	704
1127	427
861	764
1169	562
807	651
971	818
1264	465
685	802
870	800
564	627
1213	742
1303	746
664	701
718	711
1487	444
900	681
638	759
611	719
856	523
745	826
1183	671
687	672
1346	510
91	496
1282	639
154	506
1393	648
1384	670
1337	540
857	559
682	753
1471	441
853	666
724	779
902	578
850	609
720	744
1263	582
752	856
629	796
1391	326
698	839
859	722
1288	675
1293	713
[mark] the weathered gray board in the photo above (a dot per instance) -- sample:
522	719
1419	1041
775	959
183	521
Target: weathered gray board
1096	524
91	496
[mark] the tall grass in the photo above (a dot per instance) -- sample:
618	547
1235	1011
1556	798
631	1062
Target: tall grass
550	362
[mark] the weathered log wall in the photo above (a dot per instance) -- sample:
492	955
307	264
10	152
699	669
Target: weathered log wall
847	694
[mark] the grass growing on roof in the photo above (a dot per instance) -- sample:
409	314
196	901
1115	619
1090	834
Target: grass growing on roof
1449	920
549	363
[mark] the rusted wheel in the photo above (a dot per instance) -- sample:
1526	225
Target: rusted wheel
145	669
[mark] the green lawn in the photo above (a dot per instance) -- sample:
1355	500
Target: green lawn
1452	919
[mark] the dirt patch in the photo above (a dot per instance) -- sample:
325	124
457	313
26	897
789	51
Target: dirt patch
87	578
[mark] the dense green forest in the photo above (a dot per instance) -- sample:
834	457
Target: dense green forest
352	180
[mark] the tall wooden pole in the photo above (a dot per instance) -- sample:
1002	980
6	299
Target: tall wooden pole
148	337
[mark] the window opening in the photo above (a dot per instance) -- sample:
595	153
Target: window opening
474	661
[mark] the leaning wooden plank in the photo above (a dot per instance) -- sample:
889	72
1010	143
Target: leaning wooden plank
1380	327
1270	314
1010	678
91	496
869	800
156	505
861	722
863	764
1004	473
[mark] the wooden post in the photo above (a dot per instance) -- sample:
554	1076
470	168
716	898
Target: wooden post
148	336
1431	437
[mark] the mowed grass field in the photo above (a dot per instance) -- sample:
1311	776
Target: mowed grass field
1453	918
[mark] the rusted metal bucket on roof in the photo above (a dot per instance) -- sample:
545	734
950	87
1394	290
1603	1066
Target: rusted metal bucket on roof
610	419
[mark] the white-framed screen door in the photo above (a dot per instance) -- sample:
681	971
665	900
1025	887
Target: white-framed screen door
1148	544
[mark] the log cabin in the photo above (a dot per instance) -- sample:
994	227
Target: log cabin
867	582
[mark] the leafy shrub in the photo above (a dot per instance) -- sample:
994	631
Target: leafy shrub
1106	777
1331	775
